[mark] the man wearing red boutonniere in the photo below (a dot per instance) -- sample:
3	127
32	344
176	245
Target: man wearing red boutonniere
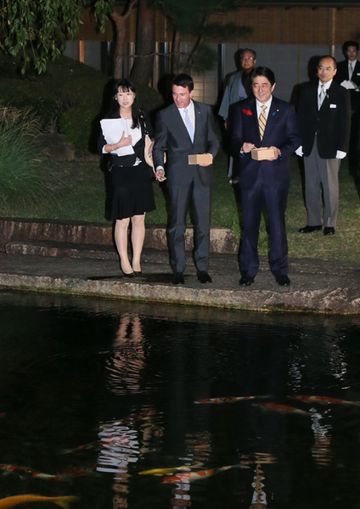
260	122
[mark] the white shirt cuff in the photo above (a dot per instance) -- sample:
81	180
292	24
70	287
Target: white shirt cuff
348	84
299	151
340	154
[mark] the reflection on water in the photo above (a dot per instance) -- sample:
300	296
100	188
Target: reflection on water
127	408
259	496
127	357
119	440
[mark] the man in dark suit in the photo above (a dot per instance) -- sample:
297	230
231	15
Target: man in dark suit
348	71
184	128
348	76
324	119
255	123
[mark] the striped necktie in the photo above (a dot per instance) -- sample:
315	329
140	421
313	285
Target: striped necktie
351	69
321	96
262	120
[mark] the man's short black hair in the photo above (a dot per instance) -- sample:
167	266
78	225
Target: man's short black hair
263	71
347	45
247	50
184	80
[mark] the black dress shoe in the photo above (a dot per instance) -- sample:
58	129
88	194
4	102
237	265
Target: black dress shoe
310	229
204	277
128	274
246	280
137	273
329	230
178	278
282	280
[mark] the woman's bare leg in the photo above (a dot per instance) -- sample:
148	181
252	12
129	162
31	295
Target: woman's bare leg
137	240
121	242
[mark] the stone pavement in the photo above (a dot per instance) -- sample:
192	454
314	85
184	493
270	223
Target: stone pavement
319	287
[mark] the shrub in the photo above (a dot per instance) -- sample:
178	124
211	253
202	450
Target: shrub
78	124
69	98
18	156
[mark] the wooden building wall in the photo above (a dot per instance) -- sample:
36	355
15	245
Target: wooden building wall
292	25
284	38
296	25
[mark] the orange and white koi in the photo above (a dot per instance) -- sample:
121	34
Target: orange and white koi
63	502
281	408
18	469
323	400
227	399
168	470
195	476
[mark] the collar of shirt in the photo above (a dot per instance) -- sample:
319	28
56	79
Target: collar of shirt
259	104
326	86
191	111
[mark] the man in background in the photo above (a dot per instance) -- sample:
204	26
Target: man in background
324	119
348	76
238	87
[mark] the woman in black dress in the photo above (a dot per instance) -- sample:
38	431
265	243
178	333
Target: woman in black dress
131	177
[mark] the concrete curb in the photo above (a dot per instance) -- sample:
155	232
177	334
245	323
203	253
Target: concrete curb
84	263
335	301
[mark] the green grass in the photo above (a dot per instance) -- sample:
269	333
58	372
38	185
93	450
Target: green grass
77	193
345	244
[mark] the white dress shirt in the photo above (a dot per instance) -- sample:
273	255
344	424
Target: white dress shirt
259	107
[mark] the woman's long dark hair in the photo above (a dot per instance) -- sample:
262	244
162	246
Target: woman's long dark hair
125	85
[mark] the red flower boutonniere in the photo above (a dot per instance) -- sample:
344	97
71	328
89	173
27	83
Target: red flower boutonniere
247	112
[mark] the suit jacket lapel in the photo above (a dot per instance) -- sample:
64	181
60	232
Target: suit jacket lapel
271	118
197	116
327	96
254	115
356	73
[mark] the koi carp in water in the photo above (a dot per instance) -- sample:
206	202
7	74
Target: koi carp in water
281	408
21	470
195	476
227	399
63	502
323	400
168	470
27	471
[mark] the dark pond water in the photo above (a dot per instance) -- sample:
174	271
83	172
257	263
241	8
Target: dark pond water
104	401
